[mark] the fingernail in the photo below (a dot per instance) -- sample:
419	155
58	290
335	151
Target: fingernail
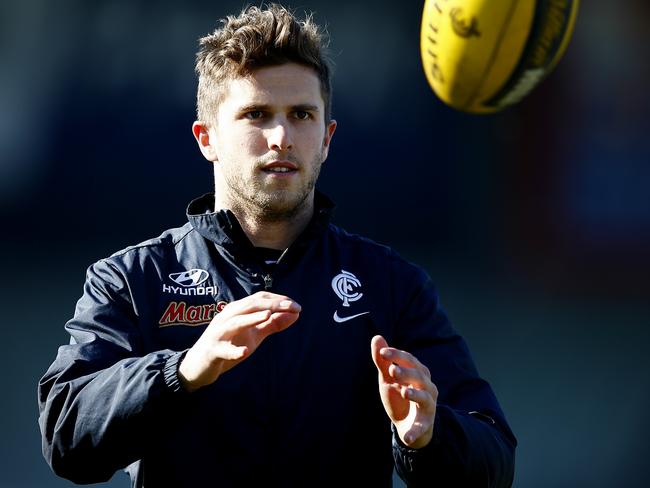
408	438
289	304
386	353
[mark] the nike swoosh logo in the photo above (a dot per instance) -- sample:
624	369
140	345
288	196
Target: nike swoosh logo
340	320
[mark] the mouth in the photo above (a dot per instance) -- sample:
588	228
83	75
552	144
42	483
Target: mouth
280	168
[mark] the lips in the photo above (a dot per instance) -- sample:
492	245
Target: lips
279	167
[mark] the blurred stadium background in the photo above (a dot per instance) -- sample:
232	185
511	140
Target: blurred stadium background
534	222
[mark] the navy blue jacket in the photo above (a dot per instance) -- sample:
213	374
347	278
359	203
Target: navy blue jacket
303	410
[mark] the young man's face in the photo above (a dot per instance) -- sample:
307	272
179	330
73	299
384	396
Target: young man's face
268	142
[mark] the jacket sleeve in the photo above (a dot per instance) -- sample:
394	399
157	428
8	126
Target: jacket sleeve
472	443
100	398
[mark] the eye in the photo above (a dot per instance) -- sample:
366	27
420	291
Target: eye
254	115
302	115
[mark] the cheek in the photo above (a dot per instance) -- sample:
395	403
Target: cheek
252	138
314	140
239	142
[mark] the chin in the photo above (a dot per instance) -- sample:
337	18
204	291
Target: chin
281	209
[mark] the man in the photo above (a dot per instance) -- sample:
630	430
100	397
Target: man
259	343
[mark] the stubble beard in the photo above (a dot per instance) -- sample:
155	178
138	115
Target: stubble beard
271	206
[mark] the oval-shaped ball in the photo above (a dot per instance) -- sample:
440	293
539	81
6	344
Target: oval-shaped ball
480	56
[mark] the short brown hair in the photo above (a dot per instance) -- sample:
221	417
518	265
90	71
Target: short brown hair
258	37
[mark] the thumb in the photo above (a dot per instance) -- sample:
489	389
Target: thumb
377	344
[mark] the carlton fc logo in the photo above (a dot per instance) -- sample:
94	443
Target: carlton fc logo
190	283
346	286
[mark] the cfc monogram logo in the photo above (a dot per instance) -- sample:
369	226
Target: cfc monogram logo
345	285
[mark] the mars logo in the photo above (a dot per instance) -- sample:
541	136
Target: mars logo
190	283
344	285
183	313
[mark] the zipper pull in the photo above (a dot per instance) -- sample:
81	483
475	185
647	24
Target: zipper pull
268	282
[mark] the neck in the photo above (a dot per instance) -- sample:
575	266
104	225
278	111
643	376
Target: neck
272	233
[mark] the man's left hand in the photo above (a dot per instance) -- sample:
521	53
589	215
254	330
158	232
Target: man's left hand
407	392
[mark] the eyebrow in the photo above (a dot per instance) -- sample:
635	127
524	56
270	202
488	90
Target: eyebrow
302	107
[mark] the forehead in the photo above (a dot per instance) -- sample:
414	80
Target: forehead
283	85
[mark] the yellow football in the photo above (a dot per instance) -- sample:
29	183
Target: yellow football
480	56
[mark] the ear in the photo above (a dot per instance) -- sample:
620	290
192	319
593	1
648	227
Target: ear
329	132
202	135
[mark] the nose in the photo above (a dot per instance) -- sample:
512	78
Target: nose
279	136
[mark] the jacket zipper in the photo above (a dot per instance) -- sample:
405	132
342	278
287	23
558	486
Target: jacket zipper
268	278
268	281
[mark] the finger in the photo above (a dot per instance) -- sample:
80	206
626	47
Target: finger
260	301
411	377
398	356
418	435
377	344
423	398
404	359
420	430
278	322
239	323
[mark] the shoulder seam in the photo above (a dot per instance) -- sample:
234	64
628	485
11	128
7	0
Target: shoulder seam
361	239
150	243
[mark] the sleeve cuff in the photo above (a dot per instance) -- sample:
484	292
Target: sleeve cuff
170	372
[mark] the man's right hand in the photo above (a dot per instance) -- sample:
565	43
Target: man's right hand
233	335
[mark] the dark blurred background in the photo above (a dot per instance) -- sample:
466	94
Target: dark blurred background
534	222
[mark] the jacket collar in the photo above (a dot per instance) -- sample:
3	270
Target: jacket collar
223	228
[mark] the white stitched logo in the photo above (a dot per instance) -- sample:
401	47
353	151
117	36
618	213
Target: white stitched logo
193	277
190	282
344	285
340	320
